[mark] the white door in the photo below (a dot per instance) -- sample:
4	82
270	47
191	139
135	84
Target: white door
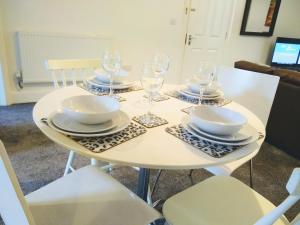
209	22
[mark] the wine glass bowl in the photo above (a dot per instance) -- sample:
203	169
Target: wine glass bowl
152	84
111	63
204	77
161	63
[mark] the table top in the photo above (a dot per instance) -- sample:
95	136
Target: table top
156	148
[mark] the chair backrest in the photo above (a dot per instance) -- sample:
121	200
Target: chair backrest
255	91
293	187
66	70
13	207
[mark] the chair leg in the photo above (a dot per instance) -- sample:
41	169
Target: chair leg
155	182
149	197
251	172
95	162
191	176
69	163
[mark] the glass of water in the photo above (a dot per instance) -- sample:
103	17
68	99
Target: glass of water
204	77
152	83
111	63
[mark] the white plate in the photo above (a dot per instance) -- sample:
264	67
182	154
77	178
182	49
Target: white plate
124	122
246	132
212	140
65	122
208	95
205	97
95	82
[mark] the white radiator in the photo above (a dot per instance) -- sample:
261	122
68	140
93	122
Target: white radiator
35	48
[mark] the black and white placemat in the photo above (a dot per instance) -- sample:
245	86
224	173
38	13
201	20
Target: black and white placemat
212	149
101	91
101	144
216	102
154	120
104	91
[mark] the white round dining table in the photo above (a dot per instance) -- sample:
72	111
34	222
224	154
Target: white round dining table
156	149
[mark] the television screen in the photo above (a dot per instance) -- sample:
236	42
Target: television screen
286	52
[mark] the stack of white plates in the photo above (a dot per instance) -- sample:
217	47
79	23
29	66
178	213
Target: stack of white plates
192	91
101	79
63	123
220	126
89	116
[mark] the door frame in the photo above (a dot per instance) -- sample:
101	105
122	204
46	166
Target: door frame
3	98
187	12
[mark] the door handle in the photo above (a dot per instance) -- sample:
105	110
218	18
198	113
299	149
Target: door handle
190	38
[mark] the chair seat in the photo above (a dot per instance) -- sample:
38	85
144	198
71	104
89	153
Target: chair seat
88	196
218	200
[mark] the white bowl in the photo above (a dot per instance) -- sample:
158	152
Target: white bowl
104	77
195	88
217	120
90	109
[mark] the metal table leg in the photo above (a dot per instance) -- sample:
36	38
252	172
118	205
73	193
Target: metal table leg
143	183
251	172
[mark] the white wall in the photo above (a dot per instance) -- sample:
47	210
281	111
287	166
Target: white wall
3	67
139	27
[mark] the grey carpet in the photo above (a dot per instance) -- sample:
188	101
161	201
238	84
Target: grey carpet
38	161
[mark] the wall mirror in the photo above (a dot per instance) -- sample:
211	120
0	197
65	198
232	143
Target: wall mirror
260	17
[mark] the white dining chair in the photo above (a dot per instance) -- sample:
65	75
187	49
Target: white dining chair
87	196
66	72
256	92
227	201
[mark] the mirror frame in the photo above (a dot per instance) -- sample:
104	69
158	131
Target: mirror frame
253	33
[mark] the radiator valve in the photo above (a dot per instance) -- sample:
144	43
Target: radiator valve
19	79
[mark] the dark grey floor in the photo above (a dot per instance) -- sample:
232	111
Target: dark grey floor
38	161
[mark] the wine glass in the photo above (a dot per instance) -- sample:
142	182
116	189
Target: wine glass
151	83
160	66
111	63
161	63
204	77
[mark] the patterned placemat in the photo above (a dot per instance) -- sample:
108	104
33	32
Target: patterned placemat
100	92
158	98
216	102
104	90
154	121
101	144
212	149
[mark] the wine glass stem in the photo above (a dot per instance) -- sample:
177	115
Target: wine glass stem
201	91
150	105
111	91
